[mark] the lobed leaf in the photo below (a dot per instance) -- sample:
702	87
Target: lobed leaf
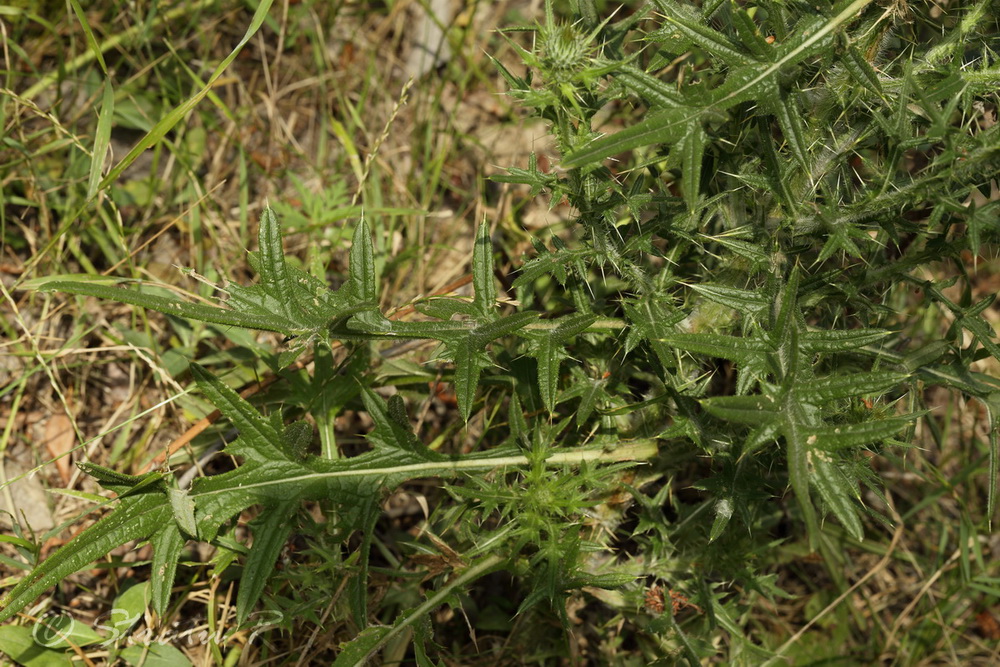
169	306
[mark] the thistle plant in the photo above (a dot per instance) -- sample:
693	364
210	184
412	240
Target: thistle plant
733	305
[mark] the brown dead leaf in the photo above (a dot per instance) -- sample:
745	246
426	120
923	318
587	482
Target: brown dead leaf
59	440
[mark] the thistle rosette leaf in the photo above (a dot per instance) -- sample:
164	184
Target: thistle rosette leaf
286	300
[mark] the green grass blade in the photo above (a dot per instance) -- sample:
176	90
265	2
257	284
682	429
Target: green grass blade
88	34
173	117
102	138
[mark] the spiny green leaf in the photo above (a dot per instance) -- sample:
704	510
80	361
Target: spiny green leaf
491	330
286	300
666	127
274	277
260	435
652	320
655	92
992	403
744	249
723	509
548	348
270	532
592	391
392	427
785	332
794	420
549	353
761	436
266	322
861	70
482	272
806	41
470	360
783	106
755	410
692	149
167	543
364	287
715	43
842	436
446	308
718	346
836	387
355	652
119	483
835	491
749	35
136	517
468	351
840	340
748	302
183	510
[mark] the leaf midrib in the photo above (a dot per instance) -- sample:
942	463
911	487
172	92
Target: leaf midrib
635	450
